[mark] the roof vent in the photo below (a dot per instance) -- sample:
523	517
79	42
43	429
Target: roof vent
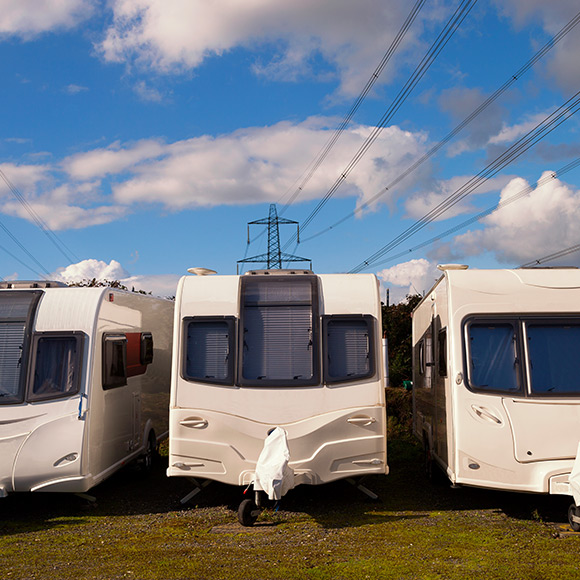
445	267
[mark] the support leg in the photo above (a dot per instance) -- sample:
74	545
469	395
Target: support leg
198	488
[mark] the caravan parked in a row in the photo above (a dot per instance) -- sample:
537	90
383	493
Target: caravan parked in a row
277	365
84	383
496	377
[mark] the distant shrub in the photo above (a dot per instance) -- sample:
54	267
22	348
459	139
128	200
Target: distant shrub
399	413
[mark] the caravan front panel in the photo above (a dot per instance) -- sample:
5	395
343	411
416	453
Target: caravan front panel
272	349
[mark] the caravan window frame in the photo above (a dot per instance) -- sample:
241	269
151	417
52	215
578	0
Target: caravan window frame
109	380
268	306
539	321
77	365
519	371
525	372
27	322
230	323
370	324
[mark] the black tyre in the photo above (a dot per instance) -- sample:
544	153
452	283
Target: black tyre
248	513
147	460
574	512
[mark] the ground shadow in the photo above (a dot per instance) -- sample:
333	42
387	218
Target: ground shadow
404	494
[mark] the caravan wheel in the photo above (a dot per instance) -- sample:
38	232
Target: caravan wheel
574	517
248	513
148	457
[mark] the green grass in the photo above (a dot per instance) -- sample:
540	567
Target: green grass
139	530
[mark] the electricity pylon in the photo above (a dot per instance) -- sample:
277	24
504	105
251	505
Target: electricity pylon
274	258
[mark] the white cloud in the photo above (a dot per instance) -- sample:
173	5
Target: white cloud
170	35
75	89
148	93
544	221
27	18
253	165
413	277
159	285
259	164
111	160
420	205
510	133
89	269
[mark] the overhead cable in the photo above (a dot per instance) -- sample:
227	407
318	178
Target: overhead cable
58	243
452	25
506	85
551	257
544	128
515	197
323	153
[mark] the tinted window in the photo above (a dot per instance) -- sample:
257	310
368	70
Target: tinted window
349	348
492	356
442	350
554	352
114	361
209	350
56	367
279	331
12	336
16	312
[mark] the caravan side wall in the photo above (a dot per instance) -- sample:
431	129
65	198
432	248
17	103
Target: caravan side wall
511	418
254	377
56	433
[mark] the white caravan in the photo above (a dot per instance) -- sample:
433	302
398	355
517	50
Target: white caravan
84	383
496	377
277	348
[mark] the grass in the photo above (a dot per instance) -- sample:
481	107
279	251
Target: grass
139	530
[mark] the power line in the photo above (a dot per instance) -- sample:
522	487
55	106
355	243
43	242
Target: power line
445	35
550	257
519	195
58	243
323	153
506	85
540	131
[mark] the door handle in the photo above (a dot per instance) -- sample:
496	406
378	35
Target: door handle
485	414
196	423
361	420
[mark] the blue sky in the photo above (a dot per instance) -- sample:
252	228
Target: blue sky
146	134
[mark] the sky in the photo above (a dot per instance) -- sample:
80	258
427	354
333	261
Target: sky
138	138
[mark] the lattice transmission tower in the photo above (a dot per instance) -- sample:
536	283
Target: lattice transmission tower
275	257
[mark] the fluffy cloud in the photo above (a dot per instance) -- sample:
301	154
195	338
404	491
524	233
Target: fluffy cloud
413	277
544	221
89	269
171	35
160	285
28	18
253	165
248	166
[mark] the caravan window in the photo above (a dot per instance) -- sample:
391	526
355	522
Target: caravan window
492	356
16	312
114	361
554	360
279	331
56	366
348	348
442	352
209	348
